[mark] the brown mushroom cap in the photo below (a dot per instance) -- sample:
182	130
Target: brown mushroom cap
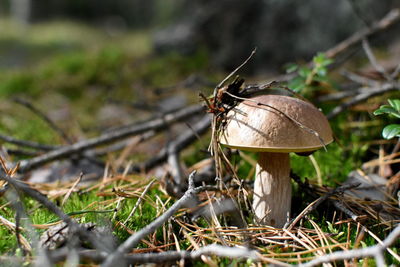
261	128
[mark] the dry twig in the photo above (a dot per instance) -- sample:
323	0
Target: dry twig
79	147
118	256
162	257
182	141
369	92
388	20
28	144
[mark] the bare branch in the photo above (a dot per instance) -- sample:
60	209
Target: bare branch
170	256
120	145
79	147
116	258
396	72
345	210
391	18
362	80
388	20
386	87
373	61
28	144
181	142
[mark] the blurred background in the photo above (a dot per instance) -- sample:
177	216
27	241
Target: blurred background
283	31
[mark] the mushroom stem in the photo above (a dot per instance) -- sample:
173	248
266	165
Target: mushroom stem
272	189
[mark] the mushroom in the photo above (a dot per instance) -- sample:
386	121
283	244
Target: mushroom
274	126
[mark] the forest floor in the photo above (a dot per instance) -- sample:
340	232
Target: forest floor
64	84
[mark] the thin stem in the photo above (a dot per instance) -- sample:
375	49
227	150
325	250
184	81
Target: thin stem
272	189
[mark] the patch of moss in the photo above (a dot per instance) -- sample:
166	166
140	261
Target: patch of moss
15	83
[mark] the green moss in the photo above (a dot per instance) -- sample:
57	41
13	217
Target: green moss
15	83
8	242
171	68
335	164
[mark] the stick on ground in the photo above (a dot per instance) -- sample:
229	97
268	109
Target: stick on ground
181	142
171	256
79	147
386	87
117	258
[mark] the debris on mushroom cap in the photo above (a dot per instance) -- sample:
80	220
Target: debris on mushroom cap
277	124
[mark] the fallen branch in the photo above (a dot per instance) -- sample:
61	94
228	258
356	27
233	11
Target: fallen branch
384	88
358	79
117	258
388	20
21	152
168	256
28	144
338	205
79	147
174	148
181	142
372	59
16	204
120	145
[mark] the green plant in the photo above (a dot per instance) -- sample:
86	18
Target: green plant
393	109
307	77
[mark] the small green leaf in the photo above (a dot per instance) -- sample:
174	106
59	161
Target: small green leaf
321	60
291	68
395	103
327	62
304	72
384	109
391	131
396	114
297	84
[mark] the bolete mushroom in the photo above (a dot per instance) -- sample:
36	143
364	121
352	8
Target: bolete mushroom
274	126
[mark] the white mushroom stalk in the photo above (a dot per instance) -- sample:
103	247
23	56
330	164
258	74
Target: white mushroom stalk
274	126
